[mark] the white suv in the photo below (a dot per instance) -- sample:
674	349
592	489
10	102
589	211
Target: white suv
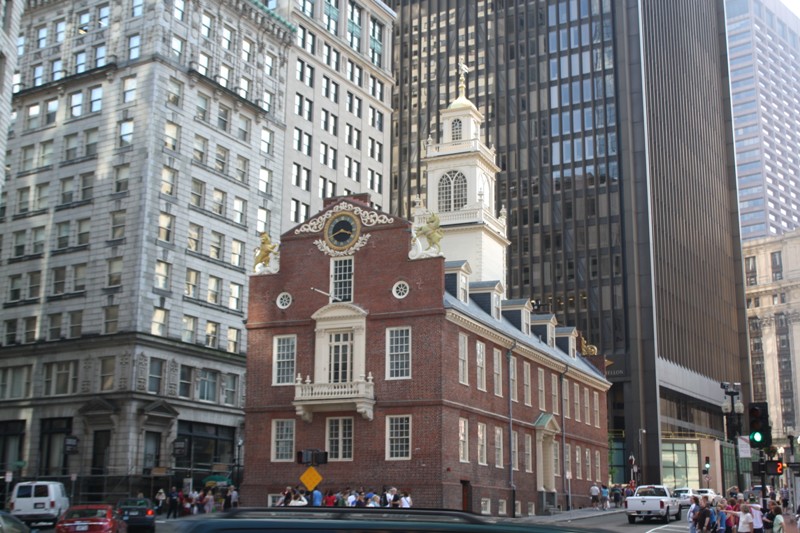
39	501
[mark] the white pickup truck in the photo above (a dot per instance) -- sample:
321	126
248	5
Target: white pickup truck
652	501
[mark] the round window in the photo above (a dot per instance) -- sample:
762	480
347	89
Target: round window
401	290
284	300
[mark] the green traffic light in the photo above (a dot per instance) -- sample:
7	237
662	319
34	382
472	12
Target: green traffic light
756	436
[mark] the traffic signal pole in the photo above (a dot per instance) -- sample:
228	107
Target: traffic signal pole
764	494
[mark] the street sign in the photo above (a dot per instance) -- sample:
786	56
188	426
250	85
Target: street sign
707	478
744	448
9	476
311	478
793	466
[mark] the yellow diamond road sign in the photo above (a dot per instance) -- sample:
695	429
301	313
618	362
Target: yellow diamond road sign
311	478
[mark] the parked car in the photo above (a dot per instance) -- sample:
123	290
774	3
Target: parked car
11	524
91	518
38	501
138	513
356	520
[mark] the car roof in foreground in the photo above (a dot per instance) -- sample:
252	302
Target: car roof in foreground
90	506
355	520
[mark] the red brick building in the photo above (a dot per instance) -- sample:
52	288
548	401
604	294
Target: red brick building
409	367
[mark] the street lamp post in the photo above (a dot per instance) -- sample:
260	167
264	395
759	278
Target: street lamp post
239	444
733	410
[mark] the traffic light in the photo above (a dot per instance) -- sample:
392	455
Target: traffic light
312	457
707	465
760	430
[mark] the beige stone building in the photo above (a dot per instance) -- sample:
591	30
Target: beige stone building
146	152
772	274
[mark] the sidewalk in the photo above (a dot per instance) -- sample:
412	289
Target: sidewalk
575	514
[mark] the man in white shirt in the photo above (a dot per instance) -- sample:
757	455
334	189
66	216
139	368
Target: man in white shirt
594	492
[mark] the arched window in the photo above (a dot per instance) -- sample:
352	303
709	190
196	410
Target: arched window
452	191
457	130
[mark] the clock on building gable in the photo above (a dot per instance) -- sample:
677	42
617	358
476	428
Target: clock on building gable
342	230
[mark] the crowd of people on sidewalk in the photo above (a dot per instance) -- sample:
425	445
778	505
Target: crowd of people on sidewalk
602	495
347	497
208	500
737	514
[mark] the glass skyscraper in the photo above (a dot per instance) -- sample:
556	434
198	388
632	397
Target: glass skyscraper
764	55
611	121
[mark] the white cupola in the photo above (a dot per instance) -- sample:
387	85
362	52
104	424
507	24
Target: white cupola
461	172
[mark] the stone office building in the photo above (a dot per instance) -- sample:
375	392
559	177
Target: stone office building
144	145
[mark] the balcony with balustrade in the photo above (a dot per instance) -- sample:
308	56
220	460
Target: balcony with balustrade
310	397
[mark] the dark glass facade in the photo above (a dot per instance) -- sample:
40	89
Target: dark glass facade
611	121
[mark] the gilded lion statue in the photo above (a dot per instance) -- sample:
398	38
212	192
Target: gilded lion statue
266	251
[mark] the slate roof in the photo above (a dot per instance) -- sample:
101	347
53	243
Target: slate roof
474	311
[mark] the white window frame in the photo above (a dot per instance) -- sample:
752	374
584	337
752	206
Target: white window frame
513	379
345	443
480	365
542	397
282	356
463	440
482	444
393	439
596	405
497	370
554	393
463	362
278	452
526	383
528	452
587	409
498	447
395	357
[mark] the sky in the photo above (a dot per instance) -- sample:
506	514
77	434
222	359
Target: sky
794	5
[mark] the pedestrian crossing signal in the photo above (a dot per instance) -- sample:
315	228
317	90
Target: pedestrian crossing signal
774	468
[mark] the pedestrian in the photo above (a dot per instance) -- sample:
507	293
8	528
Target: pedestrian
208	502
172	503
316	498
692	514
702	518
297	499
616	495
160	497
226	503
778	524
745	519
234	497
603	497
405	500
594	492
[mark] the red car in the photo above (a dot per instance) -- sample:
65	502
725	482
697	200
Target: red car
93	518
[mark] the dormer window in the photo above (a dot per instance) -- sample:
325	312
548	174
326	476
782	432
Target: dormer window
496	306
452	191
342	279
457	129
526	322
463	288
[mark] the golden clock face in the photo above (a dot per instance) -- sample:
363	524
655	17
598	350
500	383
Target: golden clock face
342	231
